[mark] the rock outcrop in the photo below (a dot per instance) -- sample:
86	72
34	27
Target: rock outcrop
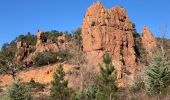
23	51
43	45
110	30
148	40
40	39
26	53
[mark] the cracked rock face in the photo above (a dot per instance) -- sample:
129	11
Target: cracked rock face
110	30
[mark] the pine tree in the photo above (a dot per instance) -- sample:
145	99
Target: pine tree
18	91
59	88
157	76
107	80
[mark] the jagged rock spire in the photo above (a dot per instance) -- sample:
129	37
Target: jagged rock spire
148	40
110	30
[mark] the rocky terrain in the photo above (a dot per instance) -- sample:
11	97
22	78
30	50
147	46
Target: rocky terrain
103	31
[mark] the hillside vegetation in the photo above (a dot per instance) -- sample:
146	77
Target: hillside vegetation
106	59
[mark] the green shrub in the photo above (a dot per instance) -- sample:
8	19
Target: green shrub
75	96
18	91
35	85
157	76
52	34
88	93
64	55
45	58
79	96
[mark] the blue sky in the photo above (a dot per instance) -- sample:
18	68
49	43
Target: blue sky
22	16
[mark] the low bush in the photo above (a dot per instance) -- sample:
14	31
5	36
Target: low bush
46	58
18	91
35	85
64	55
88	93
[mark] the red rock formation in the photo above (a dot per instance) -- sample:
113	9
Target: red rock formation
26	53
40	39
44	46
23	51
110	30
148	40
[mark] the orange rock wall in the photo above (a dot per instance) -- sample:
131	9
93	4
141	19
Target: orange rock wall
110	30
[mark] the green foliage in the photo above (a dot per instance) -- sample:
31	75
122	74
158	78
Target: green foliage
79	96
134	31
59	88
52	34
18	91
75	96
45	58
107	80
64	55
35	85
157	76
8	64
88	93
137	41
8	51
28	38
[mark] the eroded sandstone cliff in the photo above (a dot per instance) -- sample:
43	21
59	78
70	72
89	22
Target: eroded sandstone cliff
110	31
